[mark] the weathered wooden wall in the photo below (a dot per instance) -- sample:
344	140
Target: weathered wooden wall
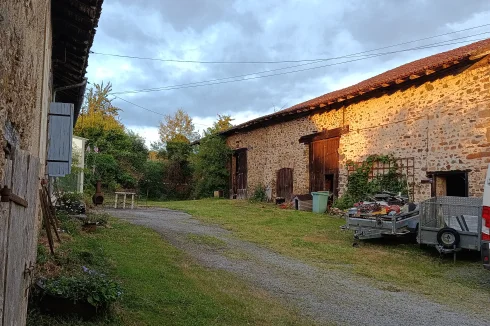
18	236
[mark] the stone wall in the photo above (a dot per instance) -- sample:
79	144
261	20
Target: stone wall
444	124
25	64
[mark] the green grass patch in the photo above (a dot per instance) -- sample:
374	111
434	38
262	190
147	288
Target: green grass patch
318	239
206	240
163	286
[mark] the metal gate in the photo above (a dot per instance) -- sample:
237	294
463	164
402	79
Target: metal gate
284	183
18	234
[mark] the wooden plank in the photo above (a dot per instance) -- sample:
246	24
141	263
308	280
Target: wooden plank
30	234
61	108
325	134
15	260
4	224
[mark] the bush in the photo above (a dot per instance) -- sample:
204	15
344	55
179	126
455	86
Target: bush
71	202
344	202
259	194
92	287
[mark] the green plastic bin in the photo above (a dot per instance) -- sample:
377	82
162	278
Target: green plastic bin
320	201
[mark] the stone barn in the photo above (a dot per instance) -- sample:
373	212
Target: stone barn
432	115
44	48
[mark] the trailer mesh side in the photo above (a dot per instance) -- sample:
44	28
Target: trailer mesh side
439	211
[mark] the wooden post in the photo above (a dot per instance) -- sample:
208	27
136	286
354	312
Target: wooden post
132	201
124	201
115	202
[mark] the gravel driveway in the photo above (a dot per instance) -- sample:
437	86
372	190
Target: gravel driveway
324	295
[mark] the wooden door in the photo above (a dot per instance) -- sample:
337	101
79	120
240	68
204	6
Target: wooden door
240	180
18	236
324	164
284	183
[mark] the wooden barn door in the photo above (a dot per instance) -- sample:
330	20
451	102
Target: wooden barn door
240	180
18	234
284	183
324	165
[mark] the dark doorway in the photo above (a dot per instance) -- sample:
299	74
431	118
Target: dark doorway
451	183
324	165
284	184
329	182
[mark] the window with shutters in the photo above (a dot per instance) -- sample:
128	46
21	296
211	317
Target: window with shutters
60	133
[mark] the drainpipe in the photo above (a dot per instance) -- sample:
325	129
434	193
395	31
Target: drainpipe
83	83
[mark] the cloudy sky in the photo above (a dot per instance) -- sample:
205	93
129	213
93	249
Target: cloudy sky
261	31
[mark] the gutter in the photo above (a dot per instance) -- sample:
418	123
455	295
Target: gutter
78	105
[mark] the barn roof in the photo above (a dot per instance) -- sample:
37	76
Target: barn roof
73	23
401	74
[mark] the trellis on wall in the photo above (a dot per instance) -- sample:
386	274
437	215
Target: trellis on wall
405	167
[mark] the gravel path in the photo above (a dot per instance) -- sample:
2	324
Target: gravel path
324	295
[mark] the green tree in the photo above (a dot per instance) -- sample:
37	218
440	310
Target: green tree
152	181
223	123
210	166
177	127
121	153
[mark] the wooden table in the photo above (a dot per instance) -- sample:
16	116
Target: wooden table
124	200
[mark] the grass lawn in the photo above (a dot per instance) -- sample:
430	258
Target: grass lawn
318	239
162	286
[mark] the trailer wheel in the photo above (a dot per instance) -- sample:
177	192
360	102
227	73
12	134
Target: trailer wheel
448	237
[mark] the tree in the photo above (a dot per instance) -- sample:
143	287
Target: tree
223	123
178	127
98	114
121	153
152	181
210	166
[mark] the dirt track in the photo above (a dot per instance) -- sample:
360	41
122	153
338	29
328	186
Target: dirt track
323	295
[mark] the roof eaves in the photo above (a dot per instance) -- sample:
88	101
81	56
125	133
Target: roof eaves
402	74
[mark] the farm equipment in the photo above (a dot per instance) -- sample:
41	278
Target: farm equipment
386	215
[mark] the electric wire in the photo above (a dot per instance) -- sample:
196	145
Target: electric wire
282	61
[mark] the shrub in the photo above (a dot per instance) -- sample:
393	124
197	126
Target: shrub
360	185
259	194
71	202
344	202
92	287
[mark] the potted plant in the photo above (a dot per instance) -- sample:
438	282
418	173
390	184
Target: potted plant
85	295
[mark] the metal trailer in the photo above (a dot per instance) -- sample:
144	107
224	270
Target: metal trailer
383	225
451	223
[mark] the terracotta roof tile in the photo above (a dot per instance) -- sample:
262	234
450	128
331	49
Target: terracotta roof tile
396	75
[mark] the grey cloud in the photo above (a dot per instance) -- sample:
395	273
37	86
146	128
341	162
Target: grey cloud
257	30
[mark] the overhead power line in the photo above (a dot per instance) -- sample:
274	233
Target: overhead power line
263	74
280	61
142	107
